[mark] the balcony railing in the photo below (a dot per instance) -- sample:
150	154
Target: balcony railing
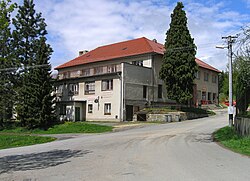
90	71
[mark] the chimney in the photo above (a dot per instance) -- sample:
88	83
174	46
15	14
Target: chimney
154	40
82	52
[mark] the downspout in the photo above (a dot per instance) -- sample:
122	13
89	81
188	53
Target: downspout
121	95
153	76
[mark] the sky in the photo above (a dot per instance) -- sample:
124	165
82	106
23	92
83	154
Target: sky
75	25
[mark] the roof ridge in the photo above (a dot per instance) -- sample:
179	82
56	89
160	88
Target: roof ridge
147	41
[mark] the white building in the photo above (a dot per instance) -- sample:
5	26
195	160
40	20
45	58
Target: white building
112	82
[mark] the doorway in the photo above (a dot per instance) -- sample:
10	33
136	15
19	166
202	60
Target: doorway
129	113
77	114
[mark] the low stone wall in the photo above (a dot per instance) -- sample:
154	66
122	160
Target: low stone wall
242	126
172	116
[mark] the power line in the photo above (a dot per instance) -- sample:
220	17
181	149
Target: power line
10	69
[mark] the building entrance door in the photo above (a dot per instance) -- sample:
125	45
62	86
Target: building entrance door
77	114
129	113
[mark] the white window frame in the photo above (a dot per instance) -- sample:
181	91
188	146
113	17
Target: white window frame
107	85
107	109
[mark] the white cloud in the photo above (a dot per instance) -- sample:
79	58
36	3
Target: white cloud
75	25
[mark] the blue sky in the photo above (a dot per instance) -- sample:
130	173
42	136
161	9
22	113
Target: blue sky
75	25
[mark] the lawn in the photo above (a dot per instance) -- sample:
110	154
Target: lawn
68	127
10	141
228	137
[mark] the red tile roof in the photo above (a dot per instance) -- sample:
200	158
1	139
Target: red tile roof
123	49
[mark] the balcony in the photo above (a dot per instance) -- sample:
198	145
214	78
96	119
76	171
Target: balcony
90	71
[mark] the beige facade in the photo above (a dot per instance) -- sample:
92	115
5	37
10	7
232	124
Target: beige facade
206	87
114	81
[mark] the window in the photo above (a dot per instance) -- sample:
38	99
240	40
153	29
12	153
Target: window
160	91
90	108
107	85
111	68
198	75
73	89
59	89
89	87
214	97
203	96
86	72
139	63
62	109
209	96
107	109
98	70
206	75
214	78
144	91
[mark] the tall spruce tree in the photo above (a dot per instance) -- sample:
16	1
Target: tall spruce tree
34	108
6	63
179	66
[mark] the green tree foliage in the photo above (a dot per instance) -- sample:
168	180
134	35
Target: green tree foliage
34	107
6	62
179	66
242	83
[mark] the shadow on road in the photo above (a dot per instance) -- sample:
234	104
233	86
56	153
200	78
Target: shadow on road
38	160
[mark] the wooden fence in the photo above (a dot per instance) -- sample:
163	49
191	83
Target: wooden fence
242	126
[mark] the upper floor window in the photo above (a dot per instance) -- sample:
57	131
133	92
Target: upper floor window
198	75
98	70
206	76
86	72
73	88
89	87
214	78
111	68
139	63
107	85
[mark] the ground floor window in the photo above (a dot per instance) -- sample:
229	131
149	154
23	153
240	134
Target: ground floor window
62	109
159	91
203	96
209	96
90	108
214	97
144	91
107	109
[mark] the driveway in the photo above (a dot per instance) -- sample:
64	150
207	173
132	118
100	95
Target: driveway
175	151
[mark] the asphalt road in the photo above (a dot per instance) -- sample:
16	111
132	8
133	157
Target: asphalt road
166	152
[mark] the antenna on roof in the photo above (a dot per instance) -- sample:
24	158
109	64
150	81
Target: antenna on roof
82	52
154	40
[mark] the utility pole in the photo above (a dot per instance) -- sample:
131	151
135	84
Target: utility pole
230	41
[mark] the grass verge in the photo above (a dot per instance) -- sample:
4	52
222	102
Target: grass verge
228	137
11	141
68	127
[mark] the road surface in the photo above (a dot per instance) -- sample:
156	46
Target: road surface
165	152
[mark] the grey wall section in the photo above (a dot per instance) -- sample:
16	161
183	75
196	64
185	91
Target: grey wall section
135	77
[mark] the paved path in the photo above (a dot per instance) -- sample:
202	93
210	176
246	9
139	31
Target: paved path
166	152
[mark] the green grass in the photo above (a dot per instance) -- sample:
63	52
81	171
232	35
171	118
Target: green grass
68	127
10	141
228	137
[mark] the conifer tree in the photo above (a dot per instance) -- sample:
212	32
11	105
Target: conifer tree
179	66
34	106
6	63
